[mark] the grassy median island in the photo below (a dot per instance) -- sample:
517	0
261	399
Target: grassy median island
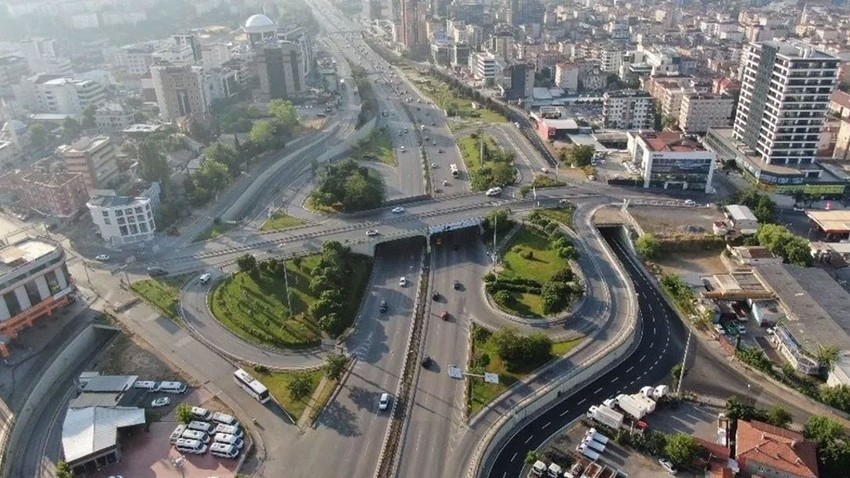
495	168
347	186
510	355
280	387
325	290
453	103
535	278
281	220
215	230
378	146
162	292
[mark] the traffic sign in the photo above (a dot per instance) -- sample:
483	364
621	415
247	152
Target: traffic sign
455	372
491	377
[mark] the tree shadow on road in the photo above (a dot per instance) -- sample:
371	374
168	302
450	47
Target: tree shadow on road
339	418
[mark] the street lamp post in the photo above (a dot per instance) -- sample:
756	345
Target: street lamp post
286	284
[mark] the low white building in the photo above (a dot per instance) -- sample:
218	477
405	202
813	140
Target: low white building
742	218
671	161
124	219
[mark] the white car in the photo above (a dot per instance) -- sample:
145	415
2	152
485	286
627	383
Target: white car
719	329
690	202
161	402
103	257
205	277
668	466
372	232
494	191
402	281
398	210
384	401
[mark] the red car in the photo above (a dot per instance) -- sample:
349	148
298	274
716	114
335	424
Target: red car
445	315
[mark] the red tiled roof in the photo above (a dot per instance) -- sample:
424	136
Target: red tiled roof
669	141
841	98
776	448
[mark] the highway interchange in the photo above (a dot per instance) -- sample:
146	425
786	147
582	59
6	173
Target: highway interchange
439	440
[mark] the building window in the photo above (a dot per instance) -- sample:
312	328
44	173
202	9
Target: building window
32	292
123	230
128	211
121	220
138	209
133	229
52	282
143	227
140	218
131	219
12	303
117	213
105	213
107	221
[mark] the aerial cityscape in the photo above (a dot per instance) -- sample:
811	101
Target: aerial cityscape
424	238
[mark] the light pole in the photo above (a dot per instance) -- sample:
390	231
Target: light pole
286	283
684	361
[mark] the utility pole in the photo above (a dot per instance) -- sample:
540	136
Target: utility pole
286	284
684	361
495	228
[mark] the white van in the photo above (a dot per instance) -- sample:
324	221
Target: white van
148	385
200	426
201	413
171	387
229	440
194	447
494	191
177	433
223	450
223	418
196	435
228	430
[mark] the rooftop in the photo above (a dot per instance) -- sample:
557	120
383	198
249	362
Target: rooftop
818	307
799	50
107	383
23	252
52	180
106	201
841	98
740	212
832	221
669	141
142	128
89	430
626	93
777	448
86	144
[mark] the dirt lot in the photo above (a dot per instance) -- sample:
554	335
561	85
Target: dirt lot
676	221
690	265
126	356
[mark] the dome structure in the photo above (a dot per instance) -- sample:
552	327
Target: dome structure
259	23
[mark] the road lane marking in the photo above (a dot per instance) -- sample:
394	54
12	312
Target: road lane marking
564	412
653	330
642	357
597	390
546	425
582	401
514	457
630	369
528	439
615	379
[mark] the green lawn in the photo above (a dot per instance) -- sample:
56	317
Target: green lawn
446	99
213	231
281	220
162	292
545	181
497	169
483	393
564	215
276	382
257	310
378	146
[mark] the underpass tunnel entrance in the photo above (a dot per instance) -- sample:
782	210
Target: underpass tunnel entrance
454	234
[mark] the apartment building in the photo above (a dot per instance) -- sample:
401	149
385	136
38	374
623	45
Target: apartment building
628	109
34	283
566	76
60	195
669	160
58	95
701	111
280	69
485	66
94	158
180	91
124	219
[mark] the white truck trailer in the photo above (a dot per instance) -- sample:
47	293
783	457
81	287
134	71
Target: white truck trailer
587	451
606	416
596	436
597	447
637	406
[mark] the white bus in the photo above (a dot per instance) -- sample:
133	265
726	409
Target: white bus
251	385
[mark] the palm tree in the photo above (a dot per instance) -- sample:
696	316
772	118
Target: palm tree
827	356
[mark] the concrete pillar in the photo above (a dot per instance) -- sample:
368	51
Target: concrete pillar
21	294
4	311
61	277
43	290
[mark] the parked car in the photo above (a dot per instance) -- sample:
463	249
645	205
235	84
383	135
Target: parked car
402	281
456	284
102	257
384	401
435	296
157	271
668	466
383	307
445	315
161	402
398	210
690	202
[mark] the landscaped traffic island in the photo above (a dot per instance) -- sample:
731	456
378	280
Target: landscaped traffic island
535	278
325	291
488	164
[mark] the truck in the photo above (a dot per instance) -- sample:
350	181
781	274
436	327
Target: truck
555	471
594	435
606	416
637	405
538	468
660	392
454	170
597	447
587	451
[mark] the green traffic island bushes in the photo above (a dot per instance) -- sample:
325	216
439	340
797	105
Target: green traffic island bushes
325	290
378	146
347	186
488	164
368	102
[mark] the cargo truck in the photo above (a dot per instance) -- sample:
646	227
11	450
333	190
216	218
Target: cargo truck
587	451
597	447
637	406
596	436
655	393
555	471
606	416
538	468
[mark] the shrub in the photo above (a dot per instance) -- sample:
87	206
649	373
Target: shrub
503	297
184	413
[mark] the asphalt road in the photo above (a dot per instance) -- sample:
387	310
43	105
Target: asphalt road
349	434
661	345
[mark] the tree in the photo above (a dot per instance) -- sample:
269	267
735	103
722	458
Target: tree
246	263
676	374
153	166
38	135
765	210
285	115
348	186
827	356
263	134
531	457
88	116
225	155
823	430
580	155
799	196
70	129
509	345
837	397
503	297
682	449
778	416
184	413
648	246
500	218
335	365
668	122
737	409
538	347
63	470
300	387
556	297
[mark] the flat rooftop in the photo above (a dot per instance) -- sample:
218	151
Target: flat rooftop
818	307
26	251
113	201
833	221
669	141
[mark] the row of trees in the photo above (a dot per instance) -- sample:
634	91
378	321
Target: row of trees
518	352
368	102
224	162
496	165
328	283
577	155
347	186
784	243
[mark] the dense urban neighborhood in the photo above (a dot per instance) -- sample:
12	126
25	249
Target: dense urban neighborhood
438	238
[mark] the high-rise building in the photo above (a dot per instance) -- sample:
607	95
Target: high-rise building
784	99
280	69
413	24
180	91
189	41
628	109
521	12
95	159
701	111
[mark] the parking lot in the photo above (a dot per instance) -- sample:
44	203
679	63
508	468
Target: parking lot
149	454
